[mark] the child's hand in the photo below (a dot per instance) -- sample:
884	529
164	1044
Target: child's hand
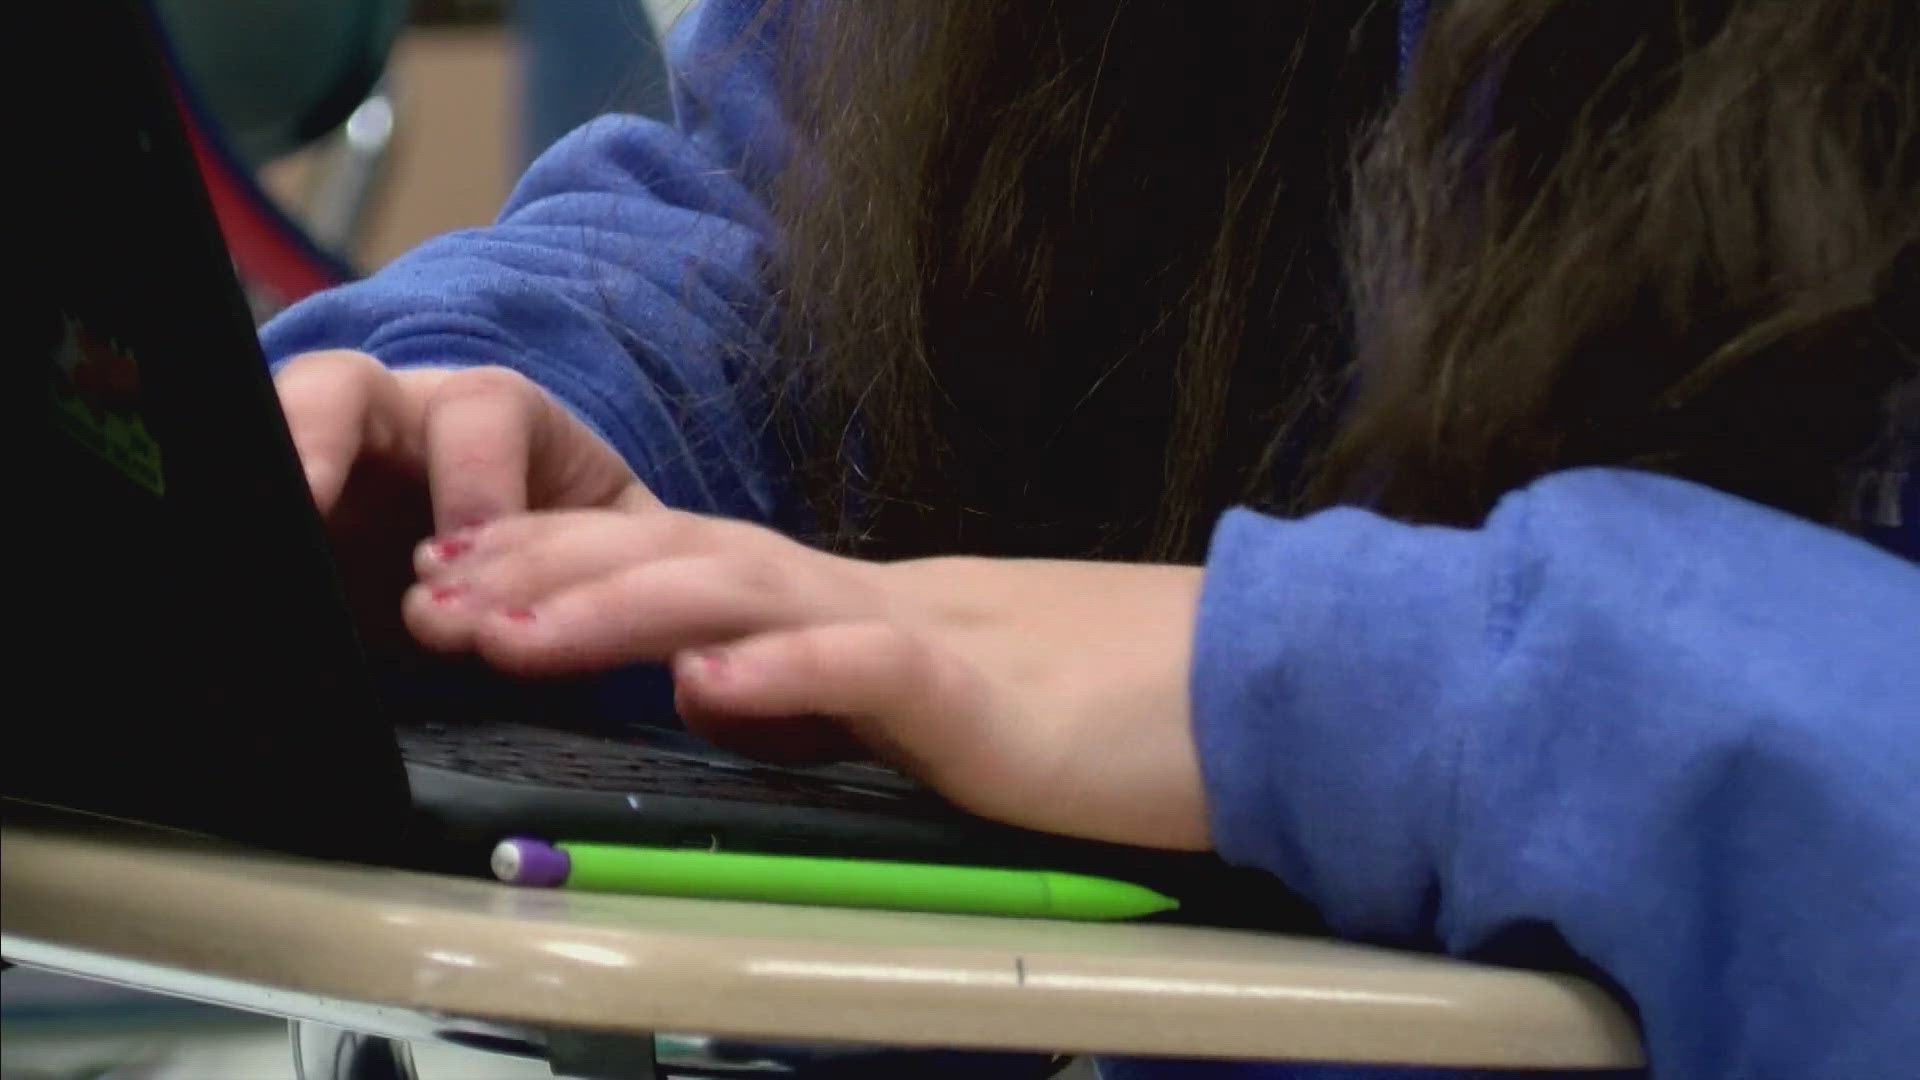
393	456
1047	694
480	443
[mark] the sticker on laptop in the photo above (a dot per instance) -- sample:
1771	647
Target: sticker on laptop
96	400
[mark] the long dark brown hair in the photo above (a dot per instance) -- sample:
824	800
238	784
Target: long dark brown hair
1674	234
1068	277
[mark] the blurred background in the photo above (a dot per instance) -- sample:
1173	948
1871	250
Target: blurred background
337	134
478	88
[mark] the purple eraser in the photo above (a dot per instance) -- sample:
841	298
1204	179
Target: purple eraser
523	860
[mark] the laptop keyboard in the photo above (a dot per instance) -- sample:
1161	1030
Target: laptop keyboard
529	754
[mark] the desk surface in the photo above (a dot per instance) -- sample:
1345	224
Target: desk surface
409	955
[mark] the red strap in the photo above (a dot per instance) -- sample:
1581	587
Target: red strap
254	235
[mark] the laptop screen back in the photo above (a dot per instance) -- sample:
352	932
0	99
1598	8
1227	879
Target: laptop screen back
186	655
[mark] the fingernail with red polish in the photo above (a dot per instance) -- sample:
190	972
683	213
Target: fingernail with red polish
451	547
441	594
709	664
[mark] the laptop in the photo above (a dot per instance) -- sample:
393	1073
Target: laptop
190	657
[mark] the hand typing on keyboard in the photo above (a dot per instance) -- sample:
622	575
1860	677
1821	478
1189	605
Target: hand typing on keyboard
1051	695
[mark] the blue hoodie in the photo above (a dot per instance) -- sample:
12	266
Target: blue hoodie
1628	721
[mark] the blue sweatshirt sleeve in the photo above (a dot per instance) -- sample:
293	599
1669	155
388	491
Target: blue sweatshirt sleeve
1679	730
623	276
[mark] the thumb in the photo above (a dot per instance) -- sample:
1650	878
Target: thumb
936	715
919	708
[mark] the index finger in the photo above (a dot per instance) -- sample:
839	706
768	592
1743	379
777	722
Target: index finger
479	430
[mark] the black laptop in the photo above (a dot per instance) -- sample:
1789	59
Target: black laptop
189	656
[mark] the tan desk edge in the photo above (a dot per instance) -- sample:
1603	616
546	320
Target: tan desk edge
409	955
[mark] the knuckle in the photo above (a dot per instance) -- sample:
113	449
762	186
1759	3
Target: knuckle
326	382
890	650
756	575
924	672
674	531
490	381
342	362
809	657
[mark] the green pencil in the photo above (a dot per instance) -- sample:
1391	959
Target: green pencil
798	879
